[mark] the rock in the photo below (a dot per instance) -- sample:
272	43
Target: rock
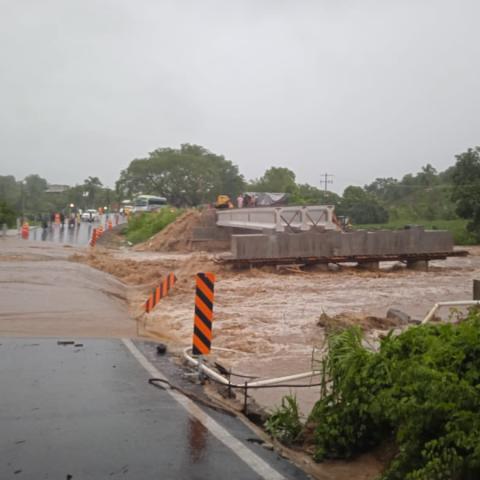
161	349
398	316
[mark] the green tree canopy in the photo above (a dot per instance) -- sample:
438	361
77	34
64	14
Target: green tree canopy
9	189
275	179
362	207
34	187
306	194
7	214
188	176
466	187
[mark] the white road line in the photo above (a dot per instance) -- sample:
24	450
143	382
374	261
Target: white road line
261	467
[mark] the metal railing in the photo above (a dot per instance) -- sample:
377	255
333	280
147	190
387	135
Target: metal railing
457	303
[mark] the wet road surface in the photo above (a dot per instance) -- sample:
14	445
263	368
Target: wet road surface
42	293
79	234
86	411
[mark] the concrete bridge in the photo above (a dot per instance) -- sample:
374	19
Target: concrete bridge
278	219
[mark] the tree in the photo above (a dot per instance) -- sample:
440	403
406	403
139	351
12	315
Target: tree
92	187
7	214
306	194
466	188
275	179
386	189
33	194
362	207
187	176
9	190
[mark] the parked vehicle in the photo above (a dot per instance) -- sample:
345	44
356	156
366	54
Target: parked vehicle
90	215
148	203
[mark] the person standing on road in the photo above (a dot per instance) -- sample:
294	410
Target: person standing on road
240	201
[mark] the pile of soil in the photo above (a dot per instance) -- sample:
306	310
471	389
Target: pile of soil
130	272
176	237
345	320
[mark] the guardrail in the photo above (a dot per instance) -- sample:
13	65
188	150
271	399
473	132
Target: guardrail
458	303
278	218
259	383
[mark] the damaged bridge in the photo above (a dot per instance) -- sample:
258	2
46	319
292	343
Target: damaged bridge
414	246
308	235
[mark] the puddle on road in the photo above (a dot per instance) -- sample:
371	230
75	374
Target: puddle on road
79	234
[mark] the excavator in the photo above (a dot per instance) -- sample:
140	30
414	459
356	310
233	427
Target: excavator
223	201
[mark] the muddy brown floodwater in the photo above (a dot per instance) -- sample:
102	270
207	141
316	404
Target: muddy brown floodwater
269	318
272	317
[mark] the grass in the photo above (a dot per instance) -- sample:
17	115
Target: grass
457	227
284	423
144	225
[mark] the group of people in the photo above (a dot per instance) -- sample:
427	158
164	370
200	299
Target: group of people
246	201
59	218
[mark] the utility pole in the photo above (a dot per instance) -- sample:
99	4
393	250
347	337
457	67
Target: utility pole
326	179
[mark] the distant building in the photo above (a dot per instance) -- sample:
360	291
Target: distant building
51	188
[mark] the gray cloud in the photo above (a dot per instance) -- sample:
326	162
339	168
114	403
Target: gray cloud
358	89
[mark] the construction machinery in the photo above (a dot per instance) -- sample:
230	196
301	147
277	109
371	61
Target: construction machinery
223	201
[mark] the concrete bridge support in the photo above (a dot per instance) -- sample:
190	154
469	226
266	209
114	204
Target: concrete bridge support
418	265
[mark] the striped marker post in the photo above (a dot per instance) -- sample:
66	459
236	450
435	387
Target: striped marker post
159	292
202	328
93	241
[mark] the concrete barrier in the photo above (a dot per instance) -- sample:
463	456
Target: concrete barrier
340	244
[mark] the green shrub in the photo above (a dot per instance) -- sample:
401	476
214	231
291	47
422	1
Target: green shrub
421	389
142	226
284	424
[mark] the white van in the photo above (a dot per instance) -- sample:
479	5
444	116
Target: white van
148	203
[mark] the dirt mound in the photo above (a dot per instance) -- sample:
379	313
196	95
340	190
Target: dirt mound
130	272
345	320
176	237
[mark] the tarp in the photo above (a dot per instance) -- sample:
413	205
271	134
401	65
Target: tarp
268	199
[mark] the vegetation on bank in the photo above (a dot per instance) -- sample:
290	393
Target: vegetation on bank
457	227
420	393
192	175
144	225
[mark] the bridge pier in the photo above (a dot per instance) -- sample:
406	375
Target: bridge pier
418	265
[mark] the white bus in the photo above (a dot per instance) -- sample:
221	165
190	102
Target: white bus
148	203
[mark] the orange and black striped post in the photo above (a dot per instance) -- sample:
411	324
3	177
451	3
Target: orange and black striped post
93	241
159	292
202	328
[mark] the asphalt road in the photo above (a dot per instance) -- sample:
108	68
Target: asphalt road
86	411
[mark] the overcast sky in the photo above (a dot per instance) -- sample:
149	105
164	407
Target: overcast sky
356	88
